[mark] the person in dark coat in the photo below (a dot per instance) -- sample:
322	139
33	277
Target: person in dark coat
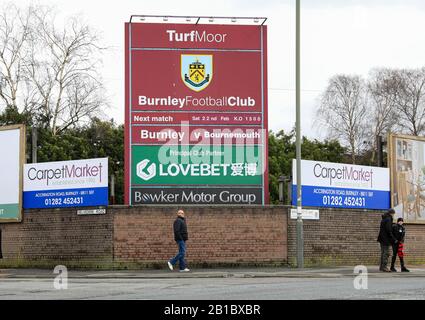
180	236
386	239
399	233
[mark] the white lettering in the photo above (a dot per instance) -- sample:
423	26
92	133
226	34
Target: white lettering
195	102
195	36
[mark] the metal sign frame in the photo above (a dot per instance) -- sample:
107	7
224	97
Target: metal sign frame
197	19
22	149
129	85
392	138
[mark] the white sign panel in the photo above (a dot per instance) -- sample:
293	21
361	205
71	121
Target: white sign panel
338	185
91	212
66	184
11	161
306	214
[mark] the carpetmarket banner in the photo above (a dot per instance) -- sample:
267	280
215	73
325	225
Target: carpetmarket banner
338	185
77	183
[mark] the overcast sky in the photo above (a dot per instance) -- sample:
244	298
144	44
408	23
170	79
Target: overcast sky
338	36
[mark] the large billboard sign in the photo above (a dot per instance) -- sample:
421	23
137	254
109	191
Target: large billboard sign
338	185
77	183
196	114
407	166
12	144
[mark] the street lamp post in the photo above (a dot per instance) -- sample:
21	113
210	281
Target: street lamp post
34	137
281	180
112	188
300	236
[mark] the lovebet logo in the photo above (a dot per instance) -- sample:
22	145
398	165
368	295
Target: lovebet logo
147	172
144	171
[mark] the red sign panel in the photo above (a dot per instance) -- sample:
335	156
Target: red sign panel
192	84
197	118
196	135
190	36
234	82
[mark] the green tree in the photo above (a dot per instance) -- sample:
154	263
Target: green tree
282	151
97	139
11	115
106	139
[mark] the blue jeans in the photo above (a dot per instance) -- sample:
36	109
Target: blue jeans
180	256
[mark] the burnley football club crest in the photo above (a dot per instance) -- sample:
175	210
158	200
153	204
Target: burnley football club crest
196	71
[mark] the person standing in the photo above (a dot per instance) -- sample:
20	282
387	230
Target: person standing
386	238
180	236
399	232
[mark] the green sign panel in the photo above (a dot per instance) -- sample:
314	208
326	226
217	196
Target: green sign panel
199	164
9	211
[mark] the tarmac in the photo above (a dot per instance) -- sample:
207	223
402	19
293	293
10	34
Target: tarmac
335	272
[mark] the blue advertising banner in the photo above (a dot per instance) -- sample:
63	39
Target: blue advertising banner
337	185
87	197
80	183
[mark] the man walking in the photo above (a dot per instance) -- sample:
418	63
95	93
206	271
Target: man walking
386	239
180	236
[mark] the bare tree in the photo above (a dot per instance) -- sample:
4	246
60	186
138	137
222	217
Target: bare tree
343	109
381	86
50	70
382	113
408	95
14	34
65	71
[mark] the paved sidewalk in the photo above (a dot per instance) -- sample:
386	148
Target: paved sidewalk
337	272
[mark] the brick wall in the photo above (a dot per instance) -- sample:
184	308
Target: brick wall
348	237
415	244
143	236
58	235
216	235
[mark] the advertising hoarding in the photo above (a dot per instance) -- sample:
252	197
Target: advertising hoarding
407	167
338	185
197	165
211	195
77	183
197	90
12	144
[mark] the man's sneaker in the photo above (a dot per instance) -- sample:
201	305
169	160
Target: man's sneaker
385	270
185	270
405	270
170	265
393	270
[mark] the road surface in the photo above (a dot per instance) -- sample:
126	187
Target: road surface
256	288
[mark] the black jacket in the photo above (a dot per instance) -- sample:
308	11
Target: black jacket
399	232
180	229
386	236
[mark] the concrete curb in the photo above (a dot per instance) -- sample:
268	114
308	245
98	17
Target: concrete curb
338	273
